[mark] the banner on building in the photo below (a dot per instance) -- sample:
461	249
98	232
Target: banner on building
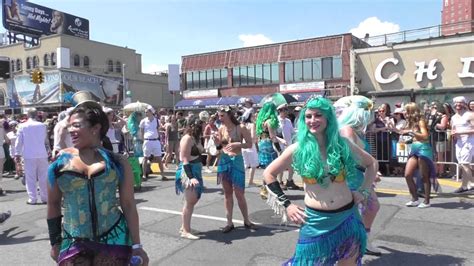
302	87
59	86
25	17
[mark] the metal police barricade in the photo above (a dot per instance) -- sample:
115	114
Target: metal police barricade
379	144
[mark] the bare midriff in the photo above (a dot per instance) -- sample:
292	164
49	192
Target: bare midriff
332	197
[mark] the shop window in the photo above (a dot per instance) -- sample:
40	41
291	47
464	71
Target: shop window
235	76
12	66
275	73
327	67
35	61
298	71
307	70
337	67
189	80
258	74
224	78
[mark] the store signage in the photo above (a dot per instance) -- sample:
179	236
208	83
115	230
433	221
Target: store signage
421	70
200	94
302	87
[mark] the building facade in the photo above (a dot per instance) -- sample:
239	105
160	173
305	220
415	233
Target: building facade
70	64
457	16
422	71
300	68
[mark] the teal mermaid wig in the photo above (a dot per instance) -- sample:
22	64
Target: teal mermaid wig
133	124
268	112
307	160
354	111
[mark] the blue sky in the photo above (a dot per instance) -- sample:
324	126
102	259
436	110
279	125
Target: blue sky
163	31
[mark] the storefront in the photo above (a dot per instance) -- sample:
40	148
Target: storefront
422	71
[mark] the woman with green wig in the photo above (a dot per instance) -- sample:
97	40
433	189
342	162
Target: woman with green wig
267	124
332	230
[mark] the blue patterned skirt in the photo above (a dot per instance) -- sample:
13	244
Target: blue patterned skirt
424	151
232	170
266	152
182	180
328	237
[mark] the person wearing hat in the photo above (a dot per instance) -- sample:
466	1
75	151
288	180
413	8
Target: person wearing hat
32	144
149	130
462	124
285	133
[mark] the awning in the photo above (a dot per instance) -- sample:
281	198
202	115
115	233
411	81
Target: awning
188	104
236	100
303	96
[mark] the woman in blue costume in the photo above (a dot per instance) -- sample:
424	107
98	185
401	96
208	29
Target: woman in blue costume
354	113
332	230
231	169
84	180
267	124
420	157
189	174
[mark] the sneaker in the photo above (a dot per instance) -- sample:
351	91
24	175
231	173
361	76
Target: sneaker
290	184
412	203
208	171
460	190
283	186
4	216
16	177
189	236
424	205
31	202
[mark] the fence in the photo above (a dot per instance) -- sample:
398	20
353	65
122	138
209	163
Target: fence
389	148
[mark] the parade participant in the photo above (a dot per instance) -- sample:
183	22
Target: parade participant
149	131
189	175
250	155
115	122
420	157
61	136
33	145
210	131
83	180
463	131
230	169
285	131
354	113
332	230
171	140
11	136
267	124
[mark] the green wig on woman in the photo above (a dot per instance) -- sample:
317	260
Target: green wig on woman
268	112
307	160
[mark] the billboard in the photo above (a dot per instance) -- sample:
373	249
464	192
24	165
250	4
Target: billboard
59	86
27	18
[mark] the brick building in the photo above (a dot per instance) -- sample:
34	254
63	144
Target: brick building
457	16
300	68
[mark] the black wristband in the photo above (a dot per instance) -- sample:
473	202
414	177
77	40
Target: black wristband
54	229
275	188
188	170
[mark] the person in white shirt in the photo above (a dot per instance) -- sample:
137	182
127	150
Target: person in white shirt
11	136
151	141
285	132
61	136
32	144
462	124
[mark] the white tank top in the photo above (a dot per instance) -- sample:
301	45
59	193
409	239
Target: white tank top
461	123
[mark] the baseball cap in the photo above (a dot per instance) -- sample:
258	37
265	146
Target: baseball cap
459	99
150	108
398	111
298	108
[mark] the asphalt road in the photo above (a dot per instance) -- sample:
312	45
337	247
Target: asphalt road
440	235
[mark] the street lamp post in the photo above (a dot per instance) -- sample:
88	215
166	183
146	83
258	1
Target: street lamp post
124	88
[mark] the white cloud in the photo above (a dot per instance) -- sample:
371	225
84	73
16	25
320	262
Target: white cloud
374	26
254	39
154	68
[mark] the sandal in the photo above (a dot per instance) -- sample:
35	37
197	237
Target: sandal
228	228
250	226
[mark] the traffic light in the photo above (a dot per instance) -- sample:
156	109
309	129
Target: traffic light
36	77
40	77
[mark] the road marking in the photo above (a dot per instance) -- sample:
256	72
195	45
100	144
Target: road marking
215	218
